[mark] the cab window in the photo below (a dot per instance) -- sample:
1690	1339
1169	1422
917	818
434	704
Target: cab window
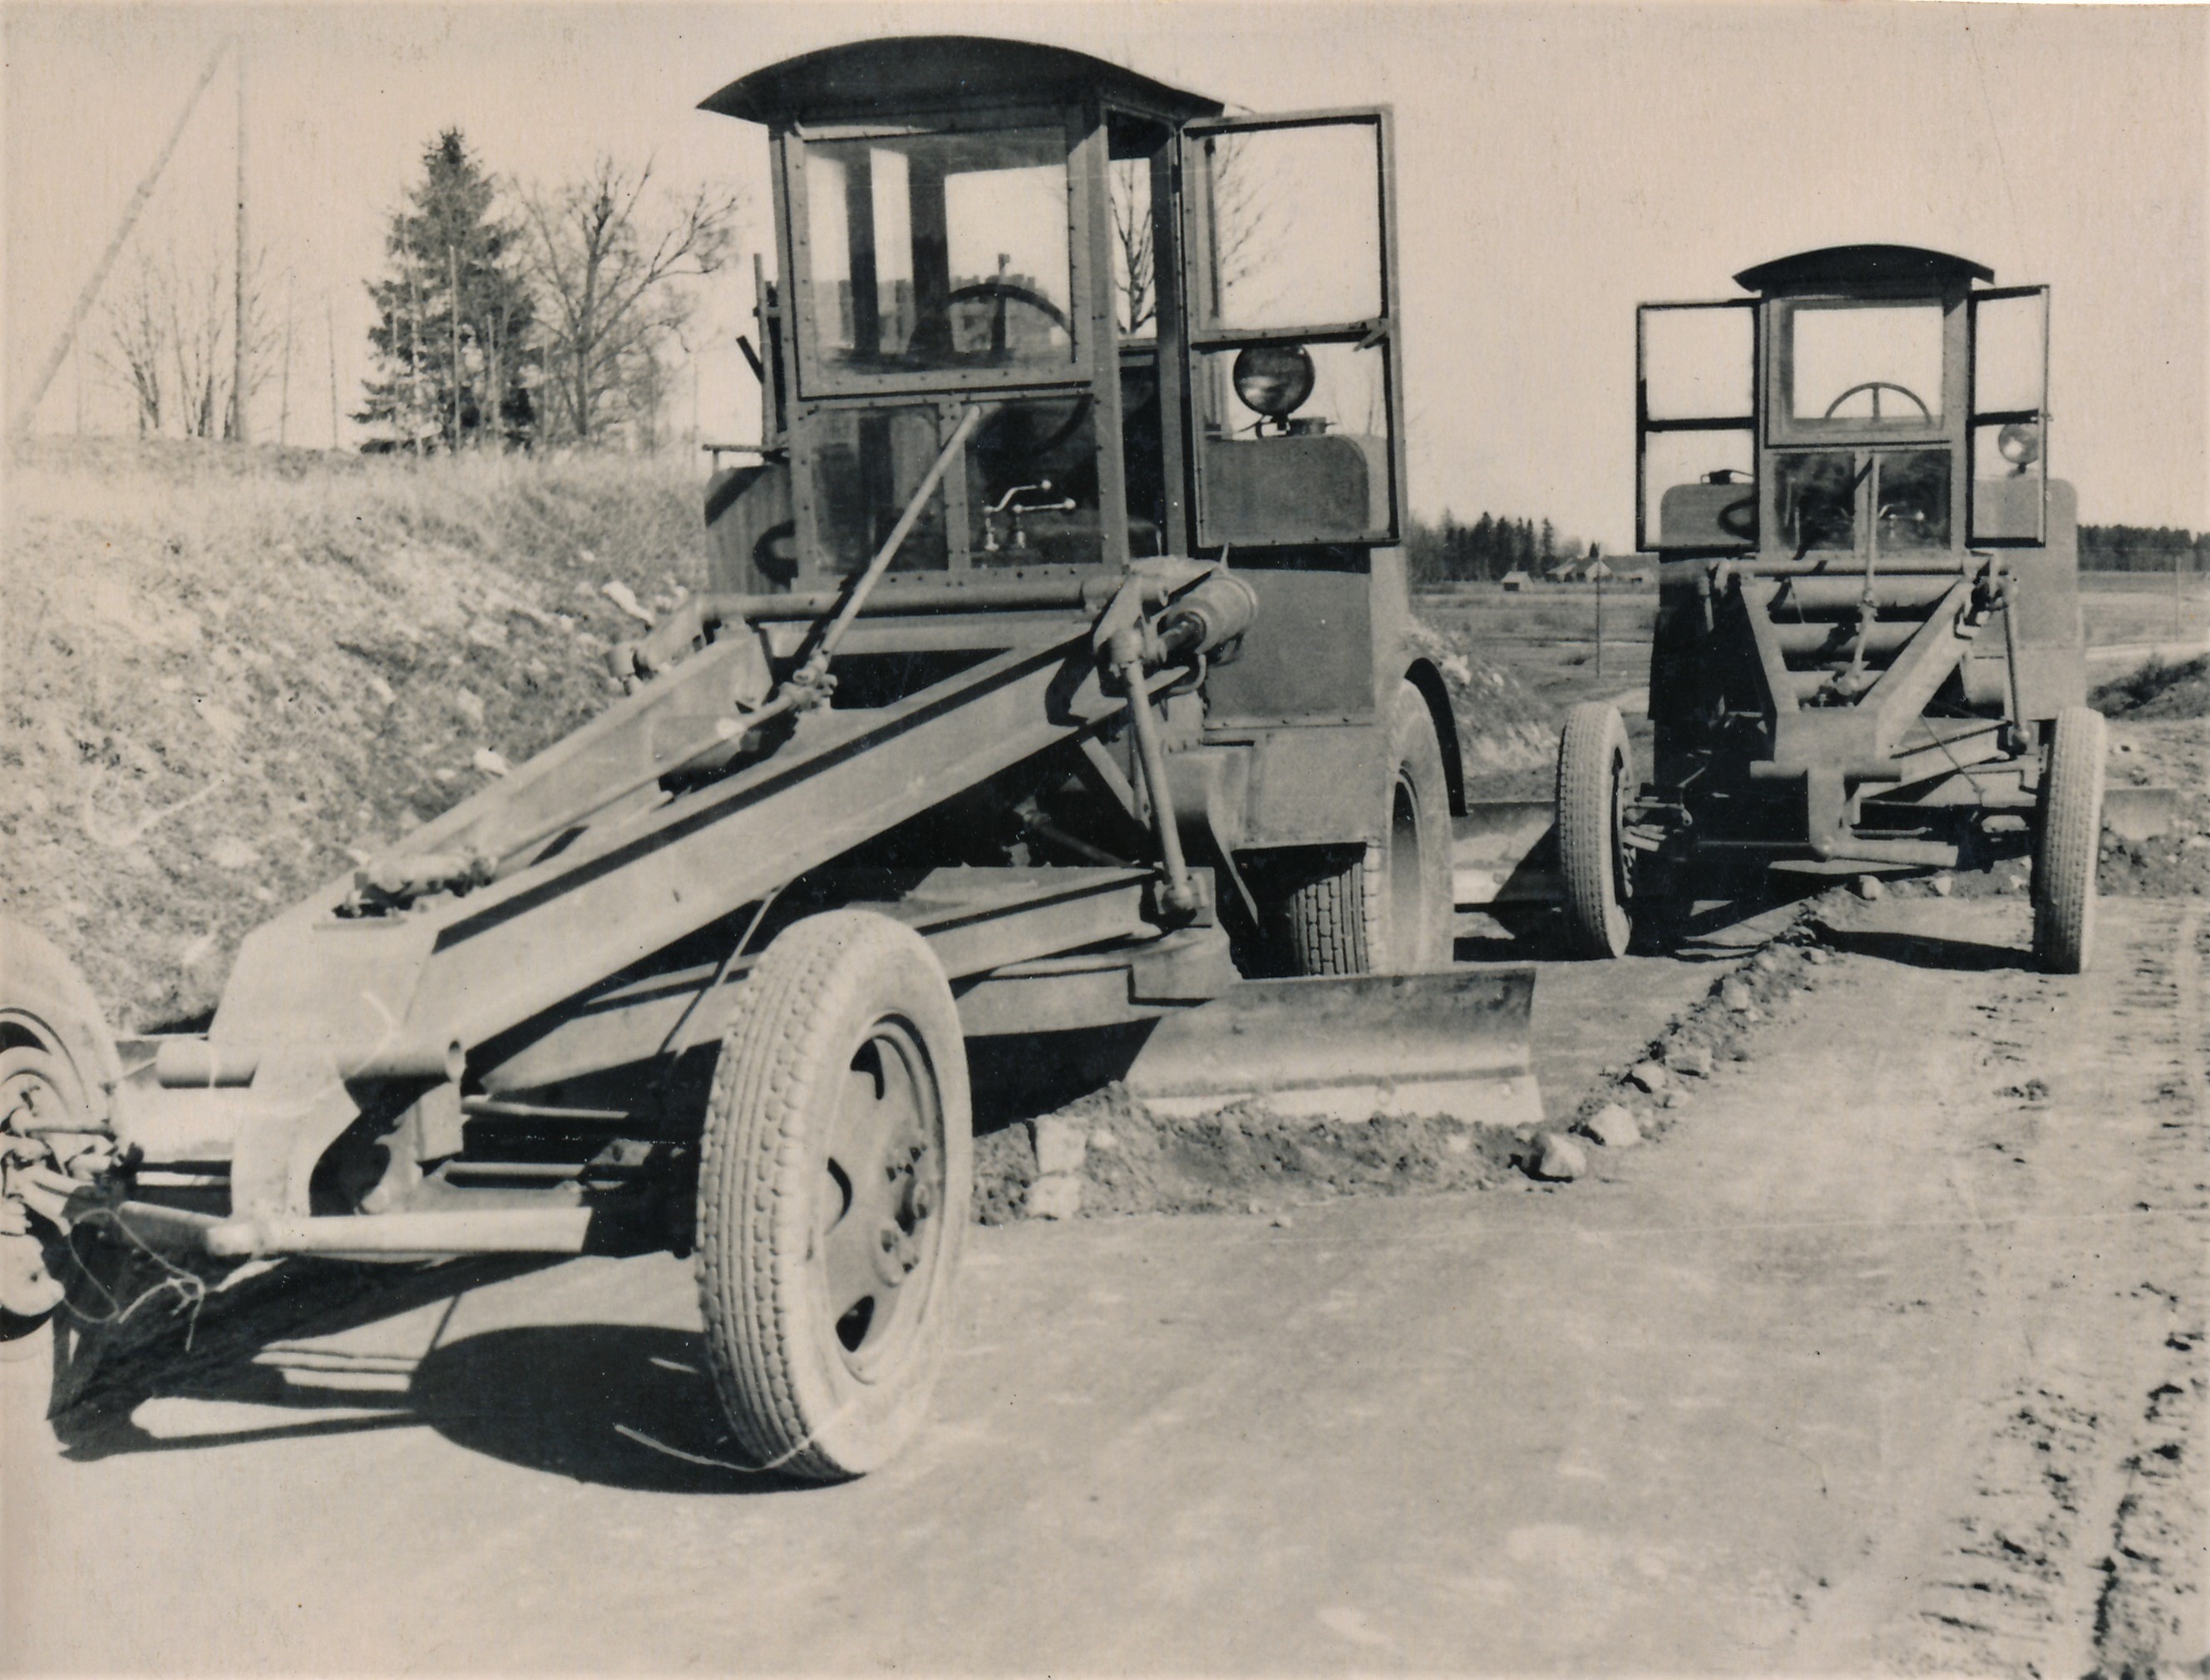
1859	367
939	252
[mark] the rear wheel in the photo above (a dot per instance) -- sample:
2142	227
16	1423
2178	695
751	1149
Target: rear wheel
1389	911
1595	775
2066	845
834	1179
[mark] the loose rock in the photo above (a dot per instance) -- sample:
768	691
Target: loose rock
1942	885
1816	955
1648	1075
491	763
1056	1197
1767	961
1871	887
1060	1147
1735	995
1694	1060
1561	1158
1613	1126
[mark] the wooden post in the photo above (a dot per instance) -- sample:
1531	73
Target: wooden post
330	341
453	303
237	418
284	381
1599	625
20	421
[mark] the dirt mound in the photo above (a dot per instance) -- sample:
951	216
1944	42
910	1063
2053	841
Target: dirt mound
231	673
2157	691
1244	1158
1502	724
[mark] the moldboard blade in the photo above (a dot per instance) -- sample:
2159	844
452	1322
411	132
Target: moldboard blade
1455	1043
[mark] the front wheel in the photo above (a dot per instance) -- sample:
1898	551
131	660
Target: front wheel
2068	843
1391	910
1595	774
834	1179
58	1063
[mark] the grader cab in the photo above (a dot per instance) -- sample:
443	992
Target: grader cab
1052	684
1868	650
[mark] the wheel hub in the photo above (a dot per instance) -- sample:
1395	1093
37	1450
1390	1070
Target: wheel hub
28	1288
48	1157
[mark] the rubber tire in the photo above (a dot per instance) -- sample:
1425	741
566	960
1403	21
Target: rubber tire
1351	919
793	1401
48	1012
2067	843
1595	770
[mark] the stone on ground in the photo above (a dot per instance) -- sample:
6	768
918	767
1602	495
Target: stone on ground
1870	886
1561	1158
1056	1197
1648	1075
1694	1060
1061	1146
1735	994
1613	1126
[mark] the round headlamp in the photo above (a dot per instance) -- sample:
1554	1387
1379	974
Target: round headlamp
2020	443
1273	379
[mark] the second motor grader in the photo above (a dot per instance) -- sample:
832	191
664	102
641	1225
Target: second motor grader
1868	649
1053	684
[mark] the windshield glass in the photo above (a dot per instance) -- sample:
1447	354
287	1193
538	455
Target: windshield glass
1859	365
939	251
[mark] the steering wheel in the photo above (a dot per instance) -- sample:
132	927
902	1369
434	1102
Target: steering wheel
1004	292
1876	386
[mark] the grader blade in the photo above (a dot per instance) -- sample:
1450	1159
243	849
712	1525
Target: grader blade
1353	1048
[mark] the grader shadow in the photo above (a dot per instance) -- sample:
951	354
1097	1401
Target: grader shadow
629	1406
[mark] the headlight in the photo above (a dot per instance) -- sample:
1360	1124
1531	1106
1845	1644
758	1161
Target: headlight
2020	443
1273	379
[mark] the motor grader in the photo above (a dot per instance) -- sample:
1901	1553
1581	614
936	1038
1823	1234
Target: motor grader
1867	653
1052	687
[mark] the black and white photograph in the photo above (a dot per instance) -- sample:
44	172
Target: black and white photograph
1066	837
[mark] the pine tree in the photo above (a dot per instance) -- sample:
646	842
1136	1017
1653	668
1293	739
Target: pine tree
1481	549
454	334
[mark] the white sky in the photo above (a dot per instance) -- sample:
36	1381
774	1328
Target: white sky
1558	164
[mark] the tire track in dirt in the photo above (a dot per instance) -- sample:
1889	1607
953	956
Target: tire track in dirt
2151	1613
2070	1549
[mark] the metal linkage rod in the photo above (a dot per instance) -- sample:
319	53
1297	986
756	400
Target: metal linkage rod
808	676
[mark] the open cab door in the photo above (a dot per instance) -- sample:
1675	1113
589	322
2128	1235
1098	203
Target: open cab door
2009	434
1289	237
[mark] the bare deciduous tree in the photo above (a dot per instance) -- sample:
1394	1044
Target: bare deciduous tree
1244	228
169	334
610	259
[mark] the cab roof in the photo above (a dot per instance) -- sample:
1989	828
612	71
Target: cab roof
1849	265
909	73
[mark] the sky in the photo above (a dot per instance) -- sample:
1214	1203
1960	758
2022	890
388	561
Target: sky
1557	164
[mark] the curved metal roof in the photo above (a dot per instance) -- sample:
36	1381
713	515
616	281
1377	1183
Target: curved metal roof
1850	264
905	73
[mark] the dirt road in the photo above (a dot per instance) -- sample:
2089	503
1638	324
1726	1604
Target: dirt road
1888	1354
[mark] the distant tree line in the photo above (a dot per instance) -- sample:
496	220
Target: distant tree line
2142	548
509	314
1448	551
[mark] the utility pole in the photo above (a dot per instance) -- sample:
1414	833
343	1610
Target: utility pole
331	339
284	384
238	420
453	273
20	422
